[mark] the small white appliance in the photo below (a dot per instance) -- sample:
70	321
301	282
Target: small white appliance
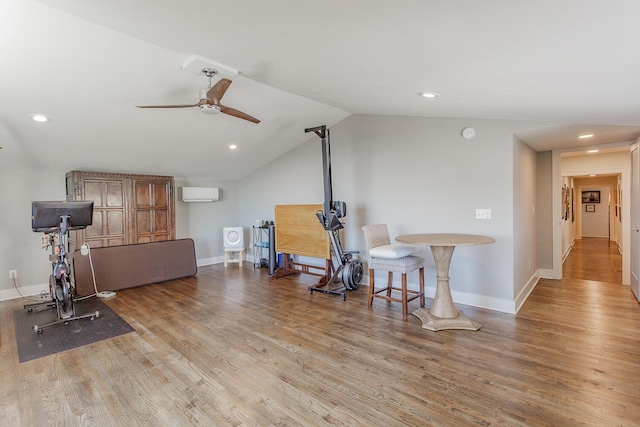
233	237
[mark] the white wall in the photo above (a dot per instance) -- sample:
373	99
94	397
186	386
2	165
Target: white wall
21	248
596	223
525	229
203	222
416	175
544	213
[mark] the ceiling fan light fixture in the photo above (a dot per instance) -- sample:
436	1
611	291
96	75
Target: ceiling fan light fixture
209	109
209	102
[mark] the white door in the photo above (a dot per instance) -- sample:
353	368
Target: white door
635	222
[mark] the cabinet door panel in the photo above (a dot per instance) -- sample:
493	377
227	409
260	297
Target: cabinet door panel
97	225
143	221
161	195
108	208
93	190
161	220
143	194
115	194
153	220
115	223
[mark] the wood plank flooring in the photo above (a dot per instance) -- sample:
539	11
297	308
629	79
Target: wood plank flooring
594	258
231	348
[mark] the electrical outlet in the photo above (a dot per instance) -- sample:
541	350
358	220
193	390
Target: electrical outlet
483	213
13	274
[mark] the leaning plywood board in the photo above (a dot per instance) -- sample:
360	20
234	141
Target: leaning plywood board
298	231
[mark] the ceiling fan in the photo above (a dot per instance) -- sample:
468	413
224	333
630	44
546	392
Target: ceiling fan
210	99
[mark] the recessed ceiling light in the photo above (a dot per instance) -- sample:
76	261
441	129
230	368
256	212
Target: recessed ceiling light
41	118
593	174
590	135
429	94
592	151
233	147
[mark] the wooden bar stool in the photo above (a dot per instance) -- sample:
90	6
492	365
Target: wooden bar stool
396	258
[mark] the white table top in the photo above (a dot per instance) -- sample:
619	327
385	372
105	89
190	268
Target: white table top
445	239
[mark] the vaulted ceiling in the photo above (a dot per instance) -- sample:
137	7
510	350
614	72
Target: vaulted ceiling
561	67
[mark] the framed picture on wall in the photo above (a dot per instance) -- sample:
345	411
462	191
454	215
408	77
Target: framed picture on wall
591	197
573	205
565	202
591	208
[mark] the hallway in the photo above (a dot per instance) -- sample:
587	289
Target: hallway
593	258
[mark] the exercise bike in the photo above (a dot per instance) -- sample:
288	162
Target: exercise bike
60	288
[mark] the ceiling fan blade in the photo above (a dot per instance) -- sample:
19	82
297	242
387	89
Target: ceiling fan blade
168	106
237	113
218	90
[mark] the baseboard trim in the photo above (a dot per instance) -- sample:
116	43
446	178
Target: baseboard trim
566	253
210	261
546	273
526	291
27	291
464	298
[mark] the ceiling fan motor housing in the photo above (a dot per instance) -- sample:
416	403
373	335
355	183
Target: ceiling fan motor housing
209	109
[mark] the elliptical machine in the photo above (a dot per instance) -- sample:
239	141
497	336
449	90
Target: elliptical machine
345	267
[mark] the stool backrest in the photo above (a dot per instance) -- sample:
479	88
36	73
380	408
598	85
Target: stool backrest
376	235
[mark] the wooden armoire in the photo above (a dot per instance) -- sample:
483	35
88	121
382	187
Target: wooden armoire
127	208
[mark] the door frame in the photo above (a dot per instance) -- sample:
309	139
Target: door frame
557	182
634	218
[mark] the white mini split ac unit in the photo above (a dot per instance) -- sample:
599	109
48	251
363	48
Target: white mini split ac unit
200	194
233	237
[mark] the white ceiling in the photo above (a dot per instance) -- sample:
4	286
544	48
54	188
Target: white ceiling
561	67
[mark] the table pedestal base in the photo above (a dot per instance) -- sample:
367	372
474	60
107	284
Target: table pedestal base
435	323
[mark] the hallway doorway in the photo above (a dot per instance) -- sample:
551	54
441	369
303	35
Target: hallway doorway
579	170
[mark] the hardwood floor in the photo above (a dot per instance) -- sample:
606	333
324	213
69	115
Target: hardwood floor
594	258
231	348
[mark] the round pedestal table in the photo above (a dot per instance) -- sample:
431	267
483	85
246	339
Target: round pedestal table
443	314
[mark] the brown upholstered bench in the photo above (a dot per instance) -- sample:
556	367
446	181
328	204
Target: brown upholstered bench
121	267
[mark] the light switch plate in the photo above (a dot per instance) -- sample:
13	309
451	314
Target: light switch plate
483	213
